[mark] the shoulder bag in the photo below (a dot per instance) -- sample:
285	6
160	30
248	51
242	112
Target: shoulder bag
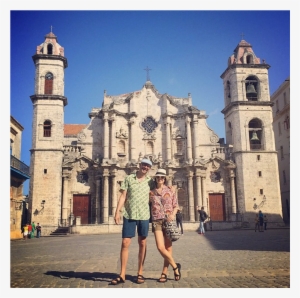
171	230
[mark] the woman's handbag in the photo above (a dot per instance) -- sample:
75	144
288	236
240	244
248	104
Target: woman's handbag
171	230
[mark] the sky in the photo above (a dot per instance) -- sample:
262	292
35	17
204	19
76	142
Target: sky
187	51
108	47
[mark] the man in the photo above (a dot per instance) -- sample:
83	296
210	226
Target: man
135	199
179	219
38	230
261	221
203	217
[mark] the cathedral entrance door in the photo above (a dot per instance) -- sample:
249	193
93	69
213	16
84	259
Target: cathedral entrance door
217	206
81	207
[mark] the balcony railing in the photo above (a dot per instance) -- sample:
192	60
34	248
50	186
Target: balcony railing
19	165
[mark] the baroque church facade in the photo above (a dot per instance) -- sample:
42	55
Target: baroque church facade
76	170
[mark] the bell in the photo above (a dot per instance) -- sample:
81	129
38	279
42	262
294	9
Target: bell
251	91
254	137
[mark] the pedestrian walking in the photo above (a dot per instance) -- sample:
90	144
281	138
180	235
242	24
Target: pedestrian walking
179	217
38	230
265	221
134	198
203	217
25	231
261	220
164	206
256	223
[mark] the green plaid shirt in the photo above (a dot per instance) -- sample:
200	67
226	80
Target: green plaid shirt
137	200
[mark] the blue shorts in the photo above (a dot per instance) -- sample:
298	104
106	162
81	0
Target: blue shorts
130	226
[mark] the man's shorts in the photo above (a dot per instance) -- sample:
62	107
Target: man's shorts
157	225
131	225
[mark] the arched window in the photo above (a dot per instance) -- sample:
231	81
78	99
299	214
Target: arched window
47	128
249	59
252	88
255	134
149	148
49	83
49	49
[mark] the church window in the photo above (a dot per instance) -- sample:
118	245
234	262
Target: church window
279	128
179	147
45	171
284	99
258	157
47	128
49	83
149	148
252	88
281	152
259	173
249	59
255	134
149	124
287	122
49	49
261	191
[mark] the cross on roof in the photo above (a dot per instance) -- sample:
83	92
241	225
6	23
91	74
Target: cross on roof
242	35
148	76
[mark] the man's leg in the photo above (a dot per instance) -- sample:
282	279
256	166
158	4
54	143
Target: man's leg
124	255
142	253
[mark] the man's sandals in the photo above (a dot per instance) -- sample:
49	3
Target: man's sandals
177	276
118	280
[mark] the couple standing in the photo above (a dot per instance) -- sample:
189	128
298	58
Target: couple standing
137	190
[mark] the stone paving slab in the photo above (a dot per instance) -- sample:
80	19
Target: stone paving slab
220	259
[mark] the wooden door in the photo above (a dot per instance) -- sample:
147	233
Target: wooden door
81	207
217	207
182	202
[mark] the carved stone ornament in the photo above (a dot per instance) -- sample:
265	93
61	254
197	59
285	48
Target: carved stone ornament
214	139
149	124
81	136
121	134
82	177
215	176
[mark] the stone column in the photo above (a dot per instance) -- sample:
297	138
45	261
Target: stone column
168	138
105	198
199	194
133	154
195	136
188	140
113	138
106	138
204	194
191	197
114	191
97	220
232	190
65	205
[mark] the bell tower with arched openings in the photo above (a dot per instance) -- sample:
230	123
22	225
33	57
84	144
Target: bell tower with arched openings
47	133
248	128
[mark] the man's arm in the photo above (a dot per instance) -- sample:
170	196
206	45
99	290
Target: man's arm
119	206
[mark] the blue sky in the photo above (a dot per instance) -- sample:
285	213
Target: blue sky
186	50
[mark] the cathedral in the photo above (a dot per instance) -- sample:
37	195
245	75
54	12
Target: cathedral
76	170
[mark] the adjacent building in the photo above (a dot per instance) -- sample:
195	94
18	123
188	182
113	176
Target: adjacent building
76	169
19	173
281	127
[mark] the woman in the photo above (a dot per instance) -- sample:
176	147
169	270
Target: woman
164	206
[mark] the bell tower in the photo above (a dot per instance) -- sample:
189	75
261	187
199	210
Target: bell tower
248	128
47	134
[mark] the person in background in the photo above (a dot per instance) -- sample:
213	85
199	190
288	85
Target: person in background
25	231
256	223
164	206
38	230
265	221
134	197
33	229
261	221
179	218
203	217
29	230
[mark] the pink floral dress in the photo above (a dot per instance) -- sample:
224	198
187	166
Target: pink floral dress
162	204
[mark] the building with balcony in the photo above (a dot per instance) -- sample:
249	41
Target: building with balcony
19	173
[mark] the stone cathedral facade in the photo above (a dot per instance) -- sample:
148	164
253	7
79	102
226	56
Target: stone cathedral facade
76	170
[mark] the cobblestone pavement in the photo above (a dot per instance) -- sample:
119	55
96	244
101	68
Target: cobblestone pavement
220	259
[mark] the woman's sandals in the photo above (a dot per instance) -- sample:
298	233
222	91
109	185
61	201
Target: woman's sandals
163	278
177	276
118	280
140	279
